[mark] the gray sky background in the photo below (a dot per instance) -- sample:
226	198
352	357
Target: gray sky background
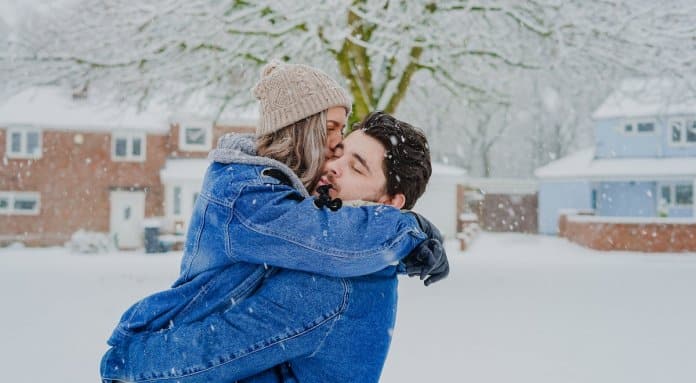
12	10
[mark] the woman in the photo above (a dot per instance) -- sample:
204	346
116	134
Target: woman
254	212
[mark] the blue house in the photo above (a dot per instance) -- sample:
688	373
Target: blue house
643	164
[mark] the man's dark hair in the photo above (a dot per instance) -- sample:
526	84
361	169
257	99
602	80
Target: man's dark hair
407	155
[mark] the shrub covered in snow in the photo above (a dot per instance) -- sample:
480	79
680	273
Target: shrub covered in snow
90	242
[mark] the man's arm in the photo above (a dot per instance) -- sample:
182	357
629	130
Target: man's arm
288	318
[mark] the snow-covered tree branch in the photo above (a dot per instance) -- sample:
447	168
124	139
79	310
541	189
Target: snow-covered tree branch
467	52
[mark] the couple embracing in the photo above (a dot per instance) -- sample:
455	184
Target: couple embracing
293	249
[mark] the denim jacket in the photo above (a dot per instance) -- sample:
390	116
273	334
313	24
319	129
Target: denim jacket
246	221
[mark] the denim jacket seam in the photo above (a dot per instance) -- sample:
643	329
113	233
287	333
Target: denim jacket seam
248	284
347	290
228	234
335	252
196	246
332	315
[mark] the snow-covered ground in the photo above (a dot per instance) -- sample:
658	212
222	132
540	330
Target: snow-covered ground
516	308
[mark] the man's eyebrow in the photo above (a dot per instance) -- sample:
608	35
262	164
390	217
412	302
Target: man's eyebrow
362	161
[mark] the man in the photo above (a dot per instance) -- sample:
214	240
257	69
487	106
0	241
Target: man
386	161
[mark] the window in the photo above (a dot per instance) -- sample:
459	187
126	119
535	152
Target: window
19	203
24	142
683	132
128	146
177	200
683	195
4	203
645	127
666	194
677	195
195	137
639	127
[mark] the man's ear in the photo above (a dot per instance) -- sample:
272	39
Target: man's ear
398	200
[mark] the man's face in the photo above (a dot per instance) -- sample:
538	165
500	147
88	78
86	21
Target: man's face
356	172
335	122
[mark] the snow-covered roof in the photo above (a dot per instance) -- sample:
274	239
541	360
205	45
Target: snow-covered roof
636	220
441	169
55	108
184	170
504	185
647	97
201	106
583	165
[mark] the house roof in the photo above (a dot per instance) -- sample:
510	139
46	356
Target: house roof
184	170
441	169
51	107
55	108
201	106
647	97
504	185
582	165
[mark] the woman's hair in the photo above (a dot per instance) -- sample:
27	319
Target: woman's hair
300	146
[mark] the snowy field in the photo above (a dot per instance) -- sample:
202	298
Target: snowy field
516	308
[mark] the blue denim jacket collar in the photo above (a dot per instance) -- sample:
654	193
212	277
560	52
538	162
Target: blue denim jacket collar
241	149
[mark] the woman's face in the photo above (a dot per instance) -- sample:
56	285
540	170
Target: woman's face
335	122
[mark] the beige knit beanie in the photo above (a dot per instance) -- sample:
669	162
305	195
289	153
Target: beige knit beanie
288	93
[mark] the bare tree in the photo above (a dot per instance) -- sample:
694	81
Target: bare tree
471	49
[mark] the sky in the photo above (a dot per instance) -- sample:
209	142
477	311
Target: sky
11	10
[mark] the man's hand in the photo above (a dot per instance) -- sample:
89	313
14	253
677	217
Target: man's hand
428	259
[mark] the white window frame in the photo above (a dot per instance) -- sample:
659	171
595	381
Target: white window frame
673	194
207	127
686	122
24	132
129	136
634	123
12	196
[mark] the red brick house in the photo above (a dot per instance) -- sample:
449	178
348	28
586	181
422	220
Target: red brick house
69	164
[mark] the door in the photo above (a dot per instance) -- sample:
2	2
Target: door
127	214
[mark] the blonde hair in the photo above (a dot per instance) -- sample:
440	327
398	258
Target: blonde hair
300	146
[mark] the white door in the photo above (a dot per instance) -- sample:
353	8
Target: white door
127	214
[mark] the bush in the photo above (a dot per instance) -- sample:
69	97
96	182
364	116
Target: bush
90	242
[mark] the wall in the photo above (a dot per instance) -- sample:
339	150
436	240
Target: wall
439	204
611	142
555	196
632	199
74	182
665	236
509	213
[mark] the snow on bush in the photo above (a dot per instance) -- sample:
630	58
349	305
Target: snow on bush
90	242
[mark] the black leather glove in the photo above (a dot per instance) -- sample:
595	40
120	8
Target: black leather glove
428	259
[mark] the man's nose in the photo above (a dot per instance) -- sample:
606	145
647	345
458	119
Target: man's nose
333	167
